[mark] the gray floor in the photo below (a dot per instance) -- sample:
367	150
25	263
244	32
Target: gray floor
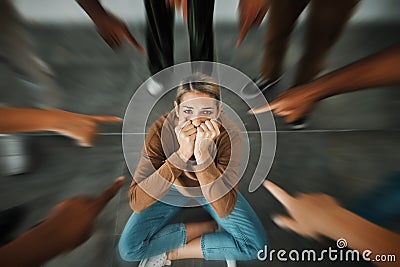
352	141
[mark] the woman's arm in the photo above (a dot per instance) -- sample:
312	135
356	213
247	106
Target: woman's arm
154	175
218	181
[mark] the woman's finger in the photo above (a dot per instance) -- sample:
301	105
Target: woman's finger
204	127
190	131
216	126
210	127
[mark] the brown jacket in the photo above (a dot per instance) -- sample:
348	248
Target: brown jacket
160	167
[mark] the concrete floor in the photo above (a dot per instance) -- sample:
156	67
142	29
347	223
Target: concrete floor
352	141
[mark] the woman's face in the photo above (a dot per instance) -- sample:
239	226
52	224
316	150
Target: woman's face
197	107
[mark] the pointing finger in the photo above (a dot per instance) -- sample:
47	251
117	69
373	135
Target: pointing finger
134	43
102	200
261	109
284	198
106	119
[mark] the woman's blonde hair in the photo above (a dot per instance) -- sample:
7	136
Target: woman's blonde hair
200	83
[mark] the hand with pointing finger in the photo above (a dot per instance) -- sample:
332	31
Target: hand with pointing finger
314	215
308	212
292	104
68	225
82	128
112	29
75	217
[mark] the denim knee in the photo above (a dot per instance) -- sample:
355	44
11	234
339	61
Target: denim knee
250	248
130	252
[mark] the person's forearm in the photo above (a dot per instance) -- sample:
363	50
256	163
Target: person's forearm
92	7
221	197
16	120
158	184
361	234
37	246
380	69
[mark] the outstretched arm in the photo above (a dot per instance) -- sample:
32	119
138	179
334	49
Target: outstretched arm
80	127
380	69
251	14
68	225
112	29
312	215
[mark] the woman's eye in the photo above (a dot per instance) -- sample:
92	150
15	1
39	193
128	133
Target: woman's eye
207	112
188	111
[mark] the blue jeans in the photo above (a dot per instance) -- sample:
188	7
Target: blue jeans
147	234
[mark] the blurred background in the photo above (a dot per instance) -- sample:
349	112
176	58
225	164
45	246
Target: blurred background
349	149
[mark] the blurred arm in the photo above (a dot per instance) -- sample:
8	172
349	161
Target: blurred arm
251	14
82	128
16	120
93	8
112	29
380	69
68	225
363	235
312	215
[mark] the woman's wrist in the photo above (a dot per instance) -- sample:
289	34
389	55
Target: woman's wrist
184	156
314	91
202	157
336	224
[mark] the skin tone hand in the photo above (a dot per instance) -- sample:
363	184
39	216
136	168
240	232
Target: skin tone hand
306	211
112	29
314	215
186	135
251	14
82	128
292	104
68	225
76	216
377	70
206	134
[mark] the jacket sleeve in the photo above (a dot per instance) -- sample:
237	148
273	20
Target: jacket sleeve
154	175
